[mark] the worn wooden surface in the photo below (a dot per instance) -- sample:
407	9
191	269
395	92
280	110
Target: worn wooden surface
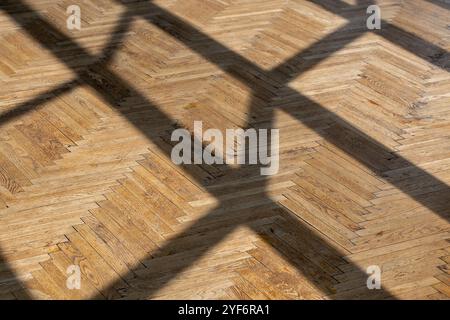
86	177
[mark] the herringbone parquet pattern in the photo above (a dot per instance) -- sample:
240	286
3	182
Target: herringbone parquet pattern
85	176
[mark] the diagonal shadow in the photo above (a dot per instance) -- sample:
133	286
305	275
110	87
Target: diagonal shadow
105	57
246	72
108	96
109	80
441	3
37	102
9	282
236	70
406	40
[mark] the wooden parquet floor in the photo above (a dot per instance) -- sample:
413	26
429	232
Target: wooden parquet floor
86	177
